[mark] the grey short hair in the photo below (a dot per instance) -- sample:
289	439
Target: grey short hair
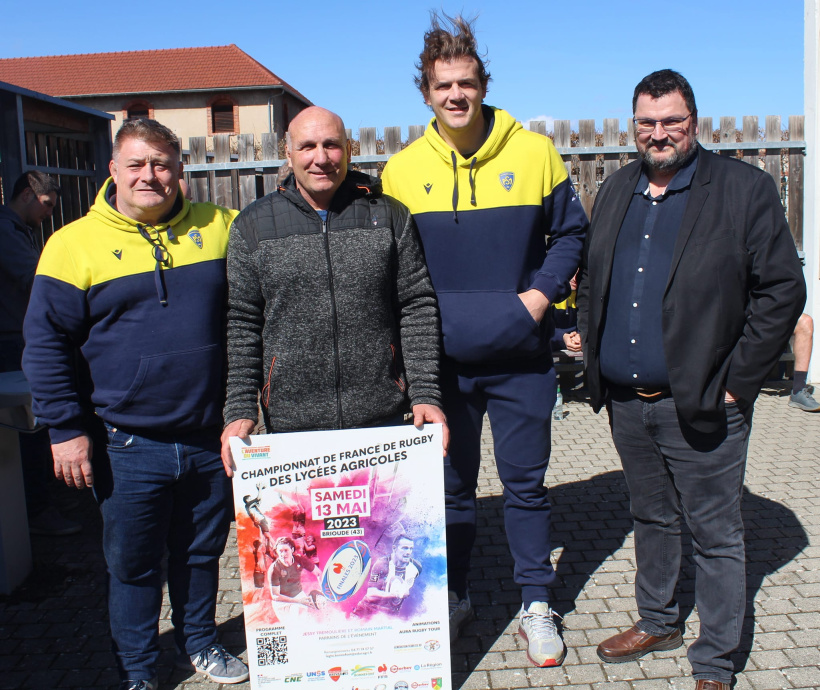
146	129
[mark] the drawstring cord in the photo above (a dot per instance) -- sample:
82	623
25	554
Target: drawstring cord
472	181
455	184
161	256
159	281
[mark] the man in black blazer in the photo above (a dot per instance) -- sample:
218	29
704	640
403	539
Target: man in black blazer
689	290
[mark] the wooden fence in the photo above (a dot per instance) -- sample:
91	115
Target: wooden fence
71	160
237	178
65	140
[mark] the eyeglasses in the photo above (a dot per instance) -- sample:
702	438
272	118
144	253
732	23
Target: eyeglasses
159	250
670	125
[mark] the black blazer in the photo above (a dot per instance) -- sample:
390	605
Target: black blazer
734	293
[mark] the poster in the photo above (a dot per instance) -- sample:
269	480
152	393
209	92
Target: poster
342	558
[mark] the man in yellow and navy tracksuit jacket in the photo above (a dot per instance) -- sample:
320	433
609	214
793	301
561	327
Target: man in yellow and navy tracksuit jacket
502	232
125	357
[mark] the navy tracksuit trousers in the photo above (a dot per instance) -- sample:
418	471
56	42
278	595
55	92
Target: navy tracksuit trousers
518	396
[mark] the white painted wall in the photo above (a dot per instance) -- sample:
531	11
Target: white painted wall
811	212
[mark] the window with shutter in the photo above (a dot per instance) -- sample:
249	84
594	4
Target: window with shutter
222	118
138	108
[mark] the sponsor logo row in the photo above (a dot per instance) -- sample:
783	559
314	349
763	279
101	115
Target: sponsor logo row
381	671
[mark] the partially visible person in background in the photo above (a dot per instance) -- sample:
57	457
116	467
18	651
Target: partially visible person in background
33	199
801	396
565	316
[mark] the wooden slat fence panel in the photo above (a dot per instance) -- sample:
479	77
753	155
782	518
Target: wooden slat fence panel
70	160
630	138
562	139
587	187
53	161
705	130
31	147
247	177
53	150
222	183
198	181
270	151
414	132
392	140
367	147
612	136
773	155
538	126
751	133
728	135
70	192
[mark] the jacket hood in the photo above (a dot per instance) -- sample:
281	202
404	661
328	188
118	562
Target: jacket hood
105	210
502	126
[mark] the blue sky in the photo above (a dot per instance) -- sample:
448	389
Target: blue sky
548	59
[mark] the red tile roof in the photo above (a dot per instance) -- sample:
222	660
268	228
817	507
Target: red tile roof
140	71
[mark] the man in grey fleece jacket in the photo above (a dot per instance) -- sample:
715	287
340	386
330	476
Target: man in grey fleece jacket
331	313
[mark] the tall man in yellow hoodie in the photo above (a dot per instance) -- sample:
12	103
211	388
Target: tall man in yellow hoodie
486	194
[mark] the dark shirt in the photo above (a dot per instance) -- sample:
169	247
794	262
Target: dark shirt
632	351
19	254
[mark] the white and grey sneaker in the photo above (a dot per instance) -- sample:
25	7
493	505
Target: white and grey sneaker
803	400
461	613
537	626
218	664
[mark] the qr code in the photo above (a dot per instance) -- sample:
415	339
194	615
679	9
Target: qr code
272	650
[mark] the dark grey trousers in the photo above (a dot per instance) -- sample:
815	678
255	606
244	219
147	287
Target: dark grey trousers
671	473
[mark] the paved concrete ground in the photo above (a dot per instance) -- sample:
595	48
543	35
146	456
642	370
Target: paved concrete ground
53	631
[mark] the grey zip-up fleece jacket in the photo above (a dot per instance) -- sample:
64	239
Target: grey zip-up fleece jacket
335	323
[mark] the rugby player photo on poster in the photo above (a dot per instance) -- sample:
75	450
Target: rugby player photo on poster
391	579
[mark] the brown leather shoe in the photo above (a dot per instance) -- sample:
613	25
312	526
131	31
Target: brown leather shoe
711	685
634	643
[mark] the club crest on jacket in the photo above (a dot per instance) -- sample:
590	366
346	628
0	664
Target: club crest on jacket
196	237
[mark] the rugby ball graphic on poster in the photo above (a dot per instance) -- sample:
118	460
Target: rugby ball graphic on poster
346	570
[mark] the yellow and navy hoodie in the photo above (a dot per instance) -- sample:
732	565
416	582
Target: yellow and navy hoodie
150	332
494	224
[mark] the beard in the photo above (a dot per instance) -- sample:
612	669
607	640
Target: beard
683	153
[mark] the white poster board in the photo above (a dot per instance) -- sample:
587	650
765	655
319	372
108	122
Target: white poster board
342	557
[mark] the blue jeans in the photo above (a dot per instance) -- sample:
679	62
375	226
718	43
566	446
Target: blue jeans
518	397
672	472
156	492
